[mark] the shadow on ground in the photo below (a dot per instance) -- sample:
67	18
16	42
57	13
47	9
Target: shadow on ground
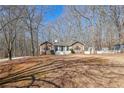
61	72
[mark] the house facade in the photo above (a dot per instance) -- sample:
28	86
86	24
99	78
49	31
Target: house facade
77	47
119	47
45	48
61	48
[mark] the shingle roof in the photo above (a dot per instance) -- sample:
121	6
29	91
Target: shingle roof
118	44
76	42
63	43
45	42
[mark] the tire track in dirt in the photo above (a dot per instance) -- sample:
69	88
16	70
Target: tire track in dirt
94	71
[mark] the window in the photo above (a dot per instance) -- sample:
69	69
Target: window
56	48
61	48
47	48
67	48
77	48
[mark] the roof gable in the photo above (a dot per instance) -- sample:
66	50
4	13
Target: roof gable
76	42
46	42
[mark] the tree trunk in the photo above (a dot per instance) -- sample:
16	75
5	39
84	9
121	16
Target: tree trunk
10	54
37	44
119	37
32	44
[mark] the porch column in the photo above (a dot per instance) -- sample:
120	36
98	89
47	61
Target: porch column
65	48
58	48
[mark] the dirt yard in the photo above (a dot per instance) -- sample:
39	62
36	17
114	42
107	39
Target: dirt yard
64	71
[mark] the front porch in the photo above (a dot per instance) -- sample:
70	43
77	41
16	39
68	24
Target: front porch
62	50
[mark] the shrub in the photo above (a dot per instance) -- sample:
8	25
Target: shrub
72	51
52	52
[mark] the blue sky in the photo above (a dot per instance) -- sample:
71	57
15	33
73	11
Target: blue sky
53	12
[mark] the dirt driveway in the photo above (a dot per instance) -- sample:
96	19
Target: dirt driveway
64	71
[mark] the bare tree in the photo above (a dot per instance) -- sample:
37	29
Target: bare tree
117	17
9	18
33	18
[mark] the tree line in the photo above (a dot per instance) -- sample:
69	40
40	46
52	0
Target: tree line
23	28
